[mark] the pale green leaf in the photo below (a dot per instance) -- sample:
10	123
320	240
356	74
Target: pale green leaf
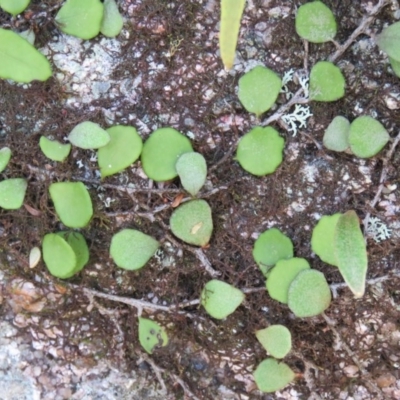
367	136
272	375
14	7
351	252
276	339
88	135
112	21
12	193
309	294
58	256
327	82
282	275
28	35
81	18
192	171
192	222
259	89
53	149
20	61
78	244
336	136
315	22
389	41
151	335
131	249
260	151
34	257
5	155
72	203
220	299
323	236
395	66
231	14
121	151
161	152
270	247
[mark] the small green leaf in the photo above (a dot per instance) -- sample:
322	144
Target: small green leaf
322	238
270	247
259	89
220	299
88	135
81	18
282	276
351	252
192	171
151	335
367	136
336	136
327	82
58	256
14	7
131	249
20	61
315	22
121	151
12	193
231	14
260	151
395	66
276	339
78	244
309	294
112	22
53	149
272	375
192	222
161	152
389	41
5	155
72	203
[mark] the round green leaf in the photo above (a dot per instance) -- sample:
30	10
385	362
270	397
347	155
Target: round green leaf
389	40
161	152
88	135
259	89
282	275
151	335
72	203
192	222
276	339
121	151
272	375
14	7
80	18
336	136
270	247
58	256
192	171
112	21
309	294
20	61
351	252
260	151
395	65
327	82
322	238
5	155
220	299
12	193
131	249
53	149
367	136
315	22
78	244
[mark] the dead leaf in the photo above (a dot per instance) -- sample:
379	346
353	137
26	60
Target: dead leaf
177	200
32	211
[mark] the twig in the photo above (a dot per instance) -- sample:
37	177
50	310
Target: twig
362	28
